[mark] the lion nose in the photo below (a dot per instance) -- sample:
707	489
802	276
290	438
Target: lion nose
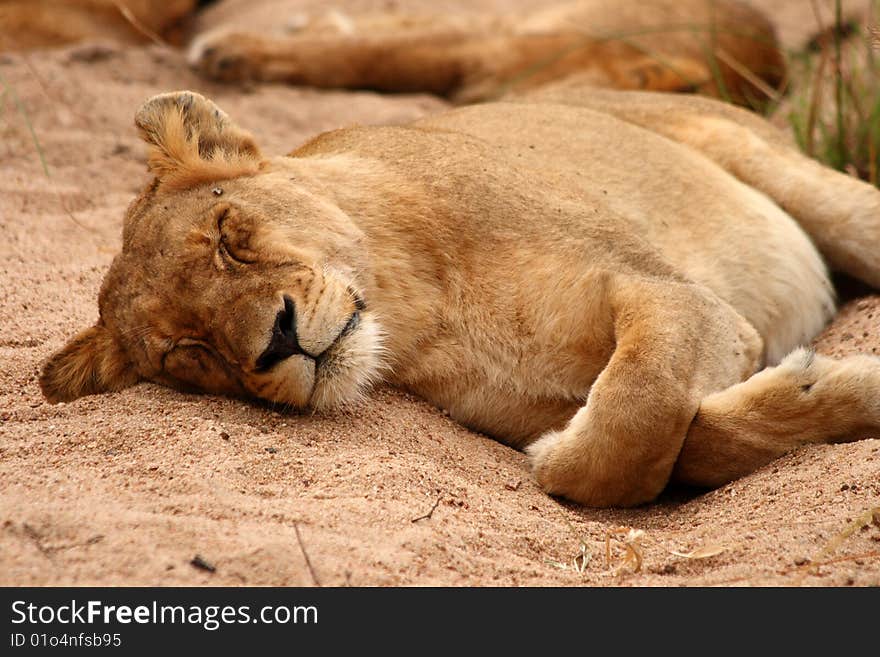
285	324
284	342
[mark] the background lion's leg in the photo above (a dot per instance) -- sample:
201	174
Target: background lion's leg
674	344
465	66
805	399
408	61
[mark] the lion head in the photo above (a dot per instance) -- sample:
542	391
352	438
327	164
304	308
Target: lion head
233	278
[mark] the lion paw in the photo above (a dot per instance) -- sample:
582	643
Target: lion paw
540	455
564	465
224	56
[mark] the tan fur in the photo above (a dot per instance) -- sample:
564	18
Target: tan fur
203	147
26	24
93	362
719	47
586	275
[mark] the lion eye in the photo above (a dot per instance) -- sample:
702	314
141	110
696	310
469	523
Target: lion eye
195	366
229	253
234	241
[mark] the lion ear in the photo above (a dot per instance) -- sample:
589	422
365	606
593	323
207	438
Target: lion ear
91	363
193	141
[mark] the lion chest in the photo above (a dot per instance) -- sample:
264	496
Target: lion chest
509	373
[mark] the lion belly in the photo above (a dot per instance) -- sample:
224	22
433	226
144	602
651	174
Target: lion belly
699	219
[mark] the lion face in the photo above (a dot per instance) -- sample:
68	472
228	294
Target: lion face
232	279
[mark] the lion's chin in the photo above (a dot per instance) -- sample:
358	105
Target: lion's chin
354	365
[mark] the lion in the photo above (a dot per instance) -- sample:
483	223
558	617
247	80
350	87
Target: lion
718	47
51	23
619	283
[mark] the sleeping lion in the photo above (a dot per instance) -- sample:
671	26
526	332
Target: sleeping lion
723	48
27	24
619	283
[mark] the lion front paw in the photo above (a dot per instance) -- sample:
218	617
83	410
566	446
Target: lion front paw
544	467
568	464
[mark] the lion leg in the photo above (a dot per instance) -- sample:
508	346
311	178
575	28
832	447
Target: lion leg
674	343
403	62
840	213
806	399
465	66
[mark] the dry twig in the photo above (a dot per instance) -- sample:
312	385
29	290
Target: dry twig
428	515
306	556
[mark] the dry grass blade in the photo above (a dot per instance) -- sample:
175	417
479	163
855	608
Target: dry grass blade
872	162
137	25
632	543
743	71
608	536
701	553
582	560
634	557
710	49
578	563
838	78
867	518
815	102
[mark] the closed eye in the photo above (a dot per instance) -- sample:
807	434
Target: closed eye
195	365
188	343
226	251
227	254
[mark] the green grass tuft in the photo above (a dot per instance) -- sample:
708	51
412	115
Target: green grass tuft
835	100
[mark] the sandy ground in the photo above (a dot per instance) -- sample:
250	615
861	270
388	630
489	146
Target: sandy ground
128	488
